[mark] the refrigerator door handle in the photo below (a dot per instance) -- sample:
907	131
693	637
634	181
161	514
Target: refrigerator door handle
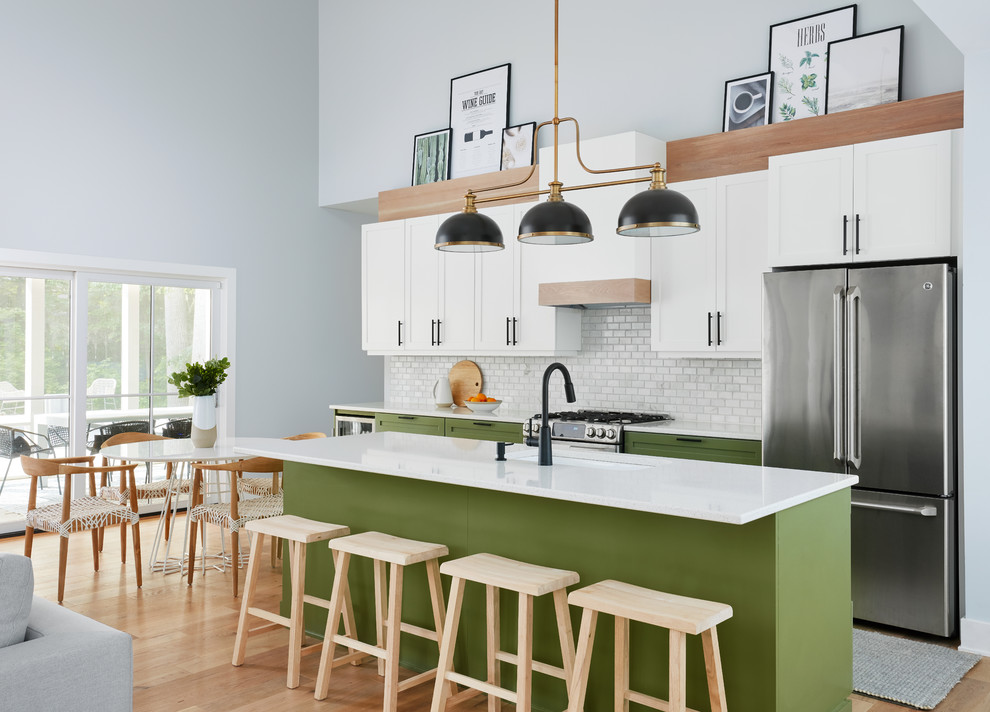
927	511
854	429
838	409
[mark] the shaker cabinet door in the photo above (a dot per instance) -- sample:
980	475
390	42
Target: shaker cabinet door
383	270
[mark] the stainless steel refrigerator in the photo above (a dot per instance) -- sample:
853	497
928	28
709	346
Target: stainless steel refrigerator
859	377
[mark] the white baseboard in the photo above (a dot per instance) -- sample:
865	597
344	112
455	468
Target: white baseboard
974	636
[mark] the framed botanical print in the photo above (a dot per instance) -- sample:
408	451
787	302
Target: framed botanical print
431	157
799	61
865	71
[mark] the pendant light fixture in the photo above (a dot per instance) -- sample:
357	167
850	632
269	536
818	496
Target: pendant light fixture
656	212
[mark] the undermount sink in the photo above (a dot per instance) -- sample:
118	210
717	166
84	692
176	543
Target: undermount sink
586	462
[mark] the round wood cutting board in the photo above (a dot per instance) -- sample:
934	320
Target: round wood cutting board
465	381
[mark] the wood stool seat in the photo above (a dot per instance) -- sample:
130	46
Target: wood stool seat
392	553
528	581
298	532
517	576
679	614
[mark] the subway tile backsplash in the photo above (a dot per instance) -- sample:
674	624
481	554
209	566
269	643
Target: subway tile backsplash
615	369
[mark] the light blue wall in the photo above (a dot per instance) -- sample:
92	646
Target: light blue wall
658	68
186	131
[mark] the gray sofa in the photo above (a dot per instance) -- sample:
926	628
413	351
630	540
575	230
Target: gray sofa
52	658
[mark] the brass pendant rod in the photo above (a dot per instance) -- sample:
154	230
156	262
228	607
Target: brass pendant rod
556	83
563	189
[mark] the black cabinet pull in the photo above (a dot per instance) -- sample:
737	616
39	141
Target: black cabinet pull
857	233
399	323
718	329
515	340
433	332
406	417
438	332
845	231
690	440
709	328
486	425
507	340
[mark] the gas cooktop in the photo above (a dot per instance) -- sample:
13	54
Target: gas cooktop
612	417
603	427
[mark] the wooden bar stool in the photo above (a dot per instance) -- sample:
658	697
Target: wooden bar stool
679	614
382	549
298	532
529	581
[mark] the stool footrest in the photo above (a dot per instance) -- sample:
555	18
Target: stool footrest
316	601
417	680
417	631
358	645
349	658
275	618
652	702
538	666
480	686
264	628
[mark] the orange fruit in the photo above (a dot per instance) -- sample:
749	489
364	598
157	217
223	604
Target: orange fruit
480	398
492	400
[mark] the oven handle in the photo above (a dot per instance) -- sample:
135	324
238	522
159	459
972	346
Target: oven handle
599	447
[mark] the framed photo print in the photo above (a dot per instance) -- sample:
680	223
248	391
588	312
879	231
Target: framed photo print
431	157
799	61
865	71
517	145
479	110
747	102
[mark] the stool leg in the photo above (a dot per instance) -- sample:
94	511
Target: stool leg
392	641
436	598
678	680
341	560
565	631
380	611
297	575
713	668
524	654
621	664
493	615
240	642
578	682
441	692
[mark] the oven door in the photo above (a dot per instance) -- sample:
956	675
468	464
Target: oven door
561	445
353	424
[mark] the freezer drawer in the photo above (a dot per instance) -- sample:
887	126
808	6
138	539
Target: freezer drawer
904	561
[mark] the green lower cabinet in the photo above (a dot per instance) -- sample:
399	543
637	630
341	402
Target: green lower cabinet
419	424
691	447
484	430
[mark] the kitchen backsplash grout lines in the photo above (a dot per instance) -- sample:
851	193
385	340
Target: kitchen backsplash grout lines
615	369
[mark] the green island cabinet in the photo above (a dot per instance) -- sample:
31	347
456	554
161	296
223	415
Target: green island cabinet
400	423
693	447
449	427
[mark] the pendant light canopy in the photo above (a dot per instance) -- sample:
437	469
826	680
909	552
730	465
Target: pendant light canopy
657	212
469	231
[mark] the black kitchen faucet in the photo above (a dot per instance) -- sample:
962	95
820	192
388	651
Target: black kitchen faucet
546	455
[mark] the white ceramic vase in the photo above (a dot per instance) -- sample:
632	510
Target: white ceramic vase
204	421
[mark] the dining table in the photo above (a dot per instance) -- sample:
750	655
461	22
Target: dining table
181	453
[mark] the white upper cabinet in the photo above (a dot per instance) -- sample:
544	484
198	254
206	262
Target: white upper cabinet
383	284
880	200
707	285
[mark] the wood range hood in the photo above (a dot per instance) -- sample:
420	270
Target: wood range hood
596	294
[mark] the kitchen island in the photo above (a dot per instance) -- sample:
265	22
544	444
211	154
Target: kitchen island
772	543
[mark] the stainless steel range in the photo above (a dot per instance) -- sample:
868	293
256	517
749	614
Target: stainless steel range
597	429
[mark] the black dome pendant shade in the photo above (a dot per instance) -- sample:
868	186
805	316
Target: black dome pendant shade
658	212
469	231
555	222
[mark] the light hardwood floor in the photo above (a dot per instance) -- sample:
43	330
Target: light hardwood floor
184	637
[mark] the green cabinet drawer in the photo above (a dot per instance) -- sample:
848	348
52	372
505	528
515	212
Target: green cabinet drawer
484	430
420	424
691	447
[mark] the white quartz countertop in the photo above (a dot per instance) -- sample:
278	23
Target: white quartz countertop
713	491
506	413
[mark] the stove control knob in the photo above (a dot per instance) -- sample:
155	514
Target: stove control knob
601	432
526	427
610	433
590	432
536	428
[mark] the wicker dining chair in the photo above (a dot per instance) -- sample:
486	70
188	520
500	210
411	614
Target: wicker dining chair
88	512
232	515
270	485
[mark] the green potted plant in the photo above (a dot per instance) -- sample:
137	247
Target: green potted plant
200	381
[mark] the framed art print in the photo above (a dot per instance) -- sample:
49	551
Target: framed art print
517	145
431	157
747	102
799	61
865	71
479	110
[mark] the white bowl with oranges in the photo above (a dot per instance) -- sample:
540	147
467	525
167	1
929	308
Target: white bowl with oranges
482	403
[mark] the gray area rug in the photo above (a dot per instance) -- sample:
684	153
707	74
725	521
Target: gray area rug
905	671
